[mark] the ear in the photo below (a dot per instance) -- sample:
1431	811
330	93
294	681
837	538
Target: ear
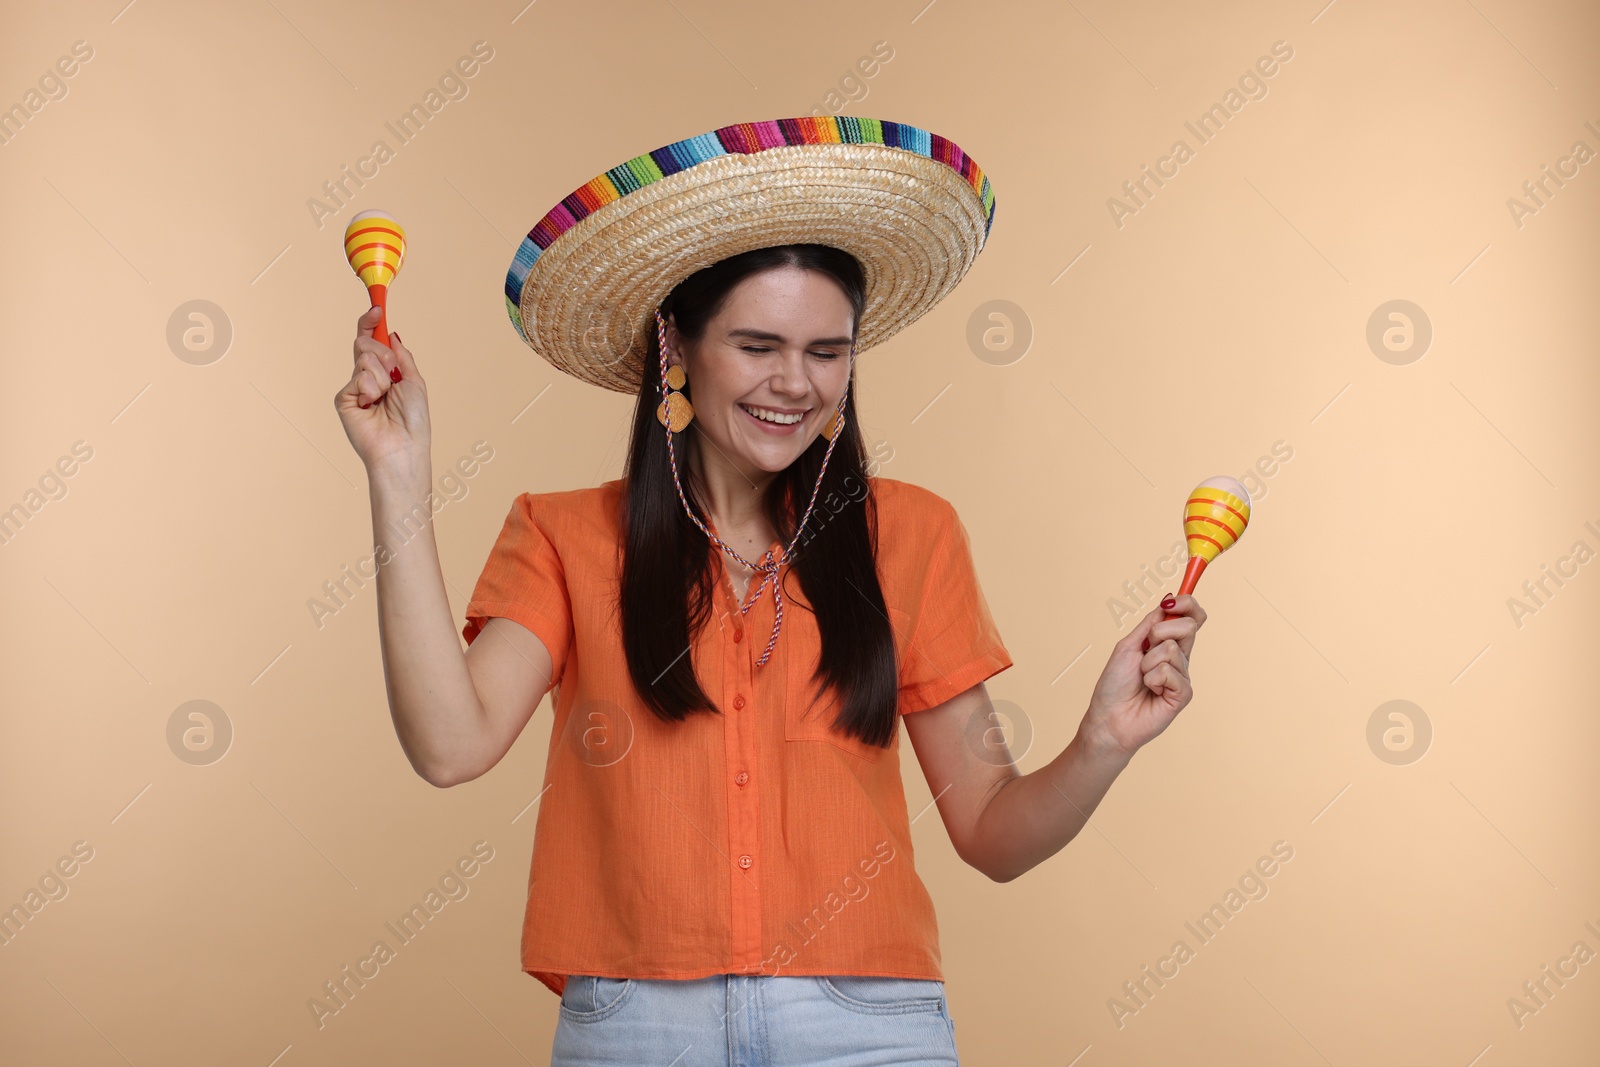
674	347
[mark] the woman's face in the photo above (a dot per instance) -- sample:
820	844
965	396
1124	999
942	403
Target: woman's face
779	347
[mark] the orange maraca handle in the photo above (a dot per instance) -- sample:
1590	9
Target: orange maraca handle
380	300
1191	578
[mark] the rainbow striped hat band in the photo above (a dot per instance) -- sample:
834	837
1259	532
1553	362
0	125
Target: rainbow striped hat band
910	205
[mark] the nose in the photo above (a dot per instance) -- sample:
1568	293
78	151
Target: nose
789	379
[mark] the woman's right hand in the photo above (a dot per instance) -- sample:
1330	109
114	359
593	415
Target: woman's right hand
385	420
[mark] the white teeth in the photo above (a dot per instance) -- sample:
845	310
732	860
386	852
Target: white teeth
773	416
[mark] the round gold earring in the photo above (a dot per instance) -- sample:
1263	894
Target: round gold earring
675	412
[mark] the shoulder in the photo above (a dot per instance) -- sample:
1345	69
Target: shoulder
590	513
908	503
912	520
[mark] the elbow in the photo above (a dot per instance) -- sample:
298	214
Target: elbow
437	779
441	777
991	870
996	874
433	771
447	768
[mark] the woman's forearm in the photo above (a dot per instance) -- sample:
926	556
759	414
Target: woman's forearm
1034	815
435	707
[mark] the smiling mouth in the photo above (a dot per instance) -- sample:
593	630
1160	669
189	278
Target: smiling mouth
773	417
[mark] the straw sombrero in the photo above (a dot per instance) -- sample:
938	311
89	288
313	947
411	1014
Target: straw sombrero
910	205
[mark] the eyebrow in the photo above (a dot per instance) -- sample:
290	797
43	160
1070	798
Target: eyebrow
763	335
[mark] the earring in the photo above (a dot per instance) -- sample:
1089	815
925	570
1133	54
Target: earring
675	411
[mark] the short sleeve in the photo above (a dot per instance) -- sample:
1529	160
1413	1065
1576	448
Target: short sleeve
954	643
524	581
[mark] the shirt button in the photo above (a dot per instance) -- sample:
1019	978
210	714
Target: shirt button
745	861
741	778
738	703
738	634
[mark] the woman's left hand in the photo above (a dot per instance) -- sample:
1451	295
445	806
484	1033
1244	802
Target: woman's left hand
1146	681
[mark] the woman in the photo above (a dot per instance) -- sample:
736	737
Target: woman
734	629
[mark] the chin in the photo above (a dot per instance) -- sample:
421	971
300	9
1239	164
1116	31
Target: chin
776	465
776	461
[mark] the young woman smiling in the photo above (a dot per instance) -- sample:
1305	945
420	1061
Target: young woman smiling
722	868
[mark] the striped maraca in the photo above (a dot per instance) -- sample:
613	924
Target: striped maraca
375	245
1214	517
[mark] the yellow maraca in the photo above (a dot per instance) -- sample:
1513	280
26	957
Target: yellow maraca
1214	518
375	245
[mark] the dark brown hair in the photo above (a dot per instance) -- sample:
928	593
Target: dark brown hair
667	576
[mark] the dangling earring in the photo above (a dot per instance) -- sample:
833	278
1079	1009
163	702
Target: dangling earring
674	411
676	406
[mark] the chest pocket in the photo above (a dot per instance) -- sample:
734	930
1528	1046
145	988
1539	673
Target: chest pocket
809	714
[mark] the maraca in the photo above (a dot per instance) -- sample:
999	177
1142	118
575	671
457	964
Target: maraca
375	245
1214	518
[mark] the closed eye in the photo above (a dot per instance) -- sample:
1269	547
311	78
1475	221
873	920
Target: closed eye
821	353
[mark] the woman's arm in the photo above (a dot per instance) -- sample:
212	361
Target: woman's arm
1031	817
456	712
1003	822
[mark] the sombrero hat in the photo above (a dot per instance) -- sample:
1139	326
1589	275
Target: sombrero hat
910	205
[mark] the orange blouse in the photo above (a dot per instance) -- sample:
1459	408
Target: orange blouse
754	841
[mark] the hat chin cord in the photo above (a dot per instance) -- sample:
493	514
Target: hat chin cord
768	566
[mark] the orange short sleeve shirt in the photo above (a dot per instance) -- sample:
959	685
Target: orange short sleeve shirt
754	841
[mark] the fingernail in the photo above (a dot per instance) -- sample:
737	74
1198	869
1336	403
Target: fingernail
1146	646
394	374
1170	602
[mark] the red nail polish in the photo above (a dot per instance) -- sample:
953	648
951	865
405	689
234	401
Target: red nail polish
1170	602
1146	646
394	375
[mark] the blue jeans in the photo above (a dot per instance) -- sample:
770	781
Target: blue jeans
735	1020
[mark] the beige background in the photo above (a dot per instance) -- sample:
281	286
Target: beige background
1227	315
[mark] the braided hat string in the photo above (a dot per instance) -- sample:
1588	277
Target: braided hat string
768	566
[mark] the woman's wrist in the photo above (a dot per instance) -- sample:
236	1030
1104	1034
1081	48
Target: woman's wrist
407	477
1098	745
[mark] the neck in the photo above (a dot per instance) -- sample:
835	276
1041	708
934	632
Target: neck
732	496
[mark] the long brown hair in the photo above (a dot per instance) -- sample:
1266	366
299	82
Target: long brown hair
667	578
